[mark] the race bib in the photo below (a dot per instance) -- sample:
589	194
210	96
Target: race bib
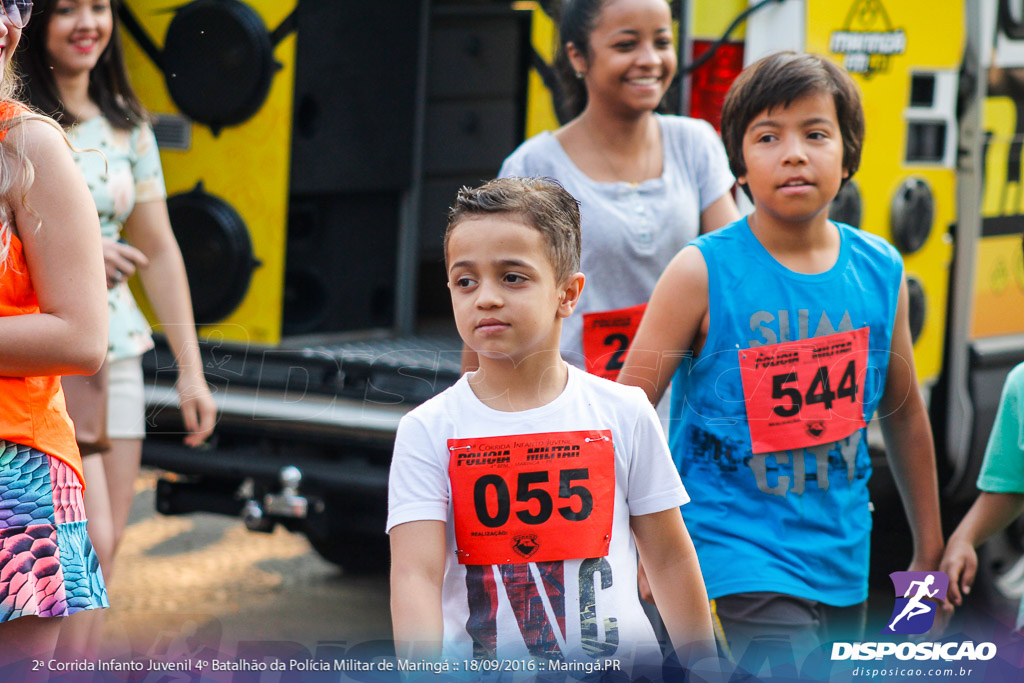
532	497
606	339
804	393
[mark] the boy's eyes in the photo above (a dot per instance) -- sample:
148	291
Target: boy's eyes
813	135
465	281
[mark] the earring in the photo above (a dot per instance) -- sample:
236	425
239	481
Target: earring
579	75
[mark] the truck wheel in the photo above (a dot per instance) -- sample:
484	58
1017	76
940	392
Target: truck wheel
353	552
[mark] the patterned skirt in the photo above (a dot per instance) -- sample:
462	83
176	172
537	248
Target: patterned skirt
48	567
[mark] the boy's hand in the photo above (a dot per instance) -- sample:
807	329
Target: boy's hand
960	563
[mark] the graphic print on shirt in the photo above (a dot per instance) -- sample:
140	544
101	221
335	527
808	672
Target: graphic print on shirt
793	470
536	593
763	323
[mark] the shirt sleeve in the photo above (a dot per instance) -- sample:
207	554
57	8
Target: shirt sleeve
418	482
1002	471
149	176
654	483
713	176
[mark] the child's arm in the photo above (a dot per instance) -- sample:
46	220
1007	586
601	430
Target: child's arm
908	444
58	226
992	512
670	324
678	586
722	212
417	573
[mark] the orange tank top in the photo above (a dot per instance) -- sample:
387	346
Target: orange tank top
32	409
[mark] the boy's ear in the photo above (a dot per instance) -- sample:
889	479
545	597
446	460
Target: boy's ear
576	58
570	295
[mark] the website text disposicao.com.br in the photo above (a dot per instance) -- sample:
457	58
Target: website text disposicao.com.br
908	671
925	660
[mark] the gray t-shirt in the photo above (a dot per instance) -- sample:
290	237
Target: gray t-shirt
631	232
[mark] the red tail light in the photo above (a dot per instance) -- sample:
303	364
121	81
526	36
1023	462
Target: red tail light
711	81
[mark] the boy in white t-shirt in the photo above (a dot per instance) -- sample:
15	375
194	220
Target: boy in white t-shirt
515	496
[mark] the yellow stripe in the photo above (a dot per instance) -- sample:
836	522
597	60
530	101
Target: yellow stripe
716	624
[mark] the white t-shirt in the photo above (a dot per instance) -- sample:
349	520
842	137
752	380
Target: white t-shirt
631	232
576	610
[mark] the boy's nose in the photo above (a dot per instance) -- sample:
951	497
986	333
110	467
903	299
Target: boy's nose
794	152
488	295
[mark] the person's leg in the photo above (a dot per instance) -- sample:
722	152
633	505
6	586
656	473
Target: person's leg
844	624
28	637
126	426
121	469
764	629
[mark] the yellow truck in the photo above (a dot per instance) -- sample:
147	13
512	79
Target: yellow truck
311	147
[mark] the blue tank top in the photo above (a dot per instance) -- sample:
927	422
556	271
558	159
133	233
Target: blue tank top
794	521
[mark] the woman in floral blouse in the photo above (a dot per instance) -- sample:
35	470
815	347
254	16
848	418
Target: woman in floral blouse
73	68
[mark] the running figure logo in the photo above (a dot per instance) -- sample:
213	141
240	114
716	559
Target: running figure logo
921	593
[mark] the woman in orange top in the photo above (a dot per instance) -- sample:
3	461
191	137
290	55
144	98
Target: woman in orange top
52	323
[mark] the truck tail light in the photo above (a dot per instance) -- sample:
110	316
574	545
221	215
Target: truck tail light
712	80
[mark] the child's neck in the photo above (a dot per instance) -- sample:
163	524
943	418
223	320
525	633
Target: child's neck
617	134
809	247
511	386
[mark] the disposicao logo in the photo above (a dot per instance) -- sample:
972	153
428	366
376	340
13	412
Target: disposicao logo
917	599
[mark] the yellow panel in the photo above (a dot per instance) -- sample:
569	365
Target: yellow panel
540	108
933	42
245	165
998	307
711	18
999	294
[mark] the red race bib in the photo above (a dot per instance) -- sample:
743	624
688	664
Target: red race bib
606	338
532	497
806	392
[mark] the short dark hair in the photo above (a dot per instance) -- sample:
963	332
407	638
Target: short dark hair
109	86
778	80
541	203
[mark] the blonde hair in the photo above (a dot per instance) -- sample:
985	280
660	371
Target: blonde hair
16	170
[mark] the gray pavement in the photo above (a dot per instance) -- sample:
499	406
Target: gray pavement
198	581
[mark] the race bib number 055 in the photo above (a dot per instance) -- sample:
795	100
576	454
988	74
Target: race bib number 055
532	497
805	393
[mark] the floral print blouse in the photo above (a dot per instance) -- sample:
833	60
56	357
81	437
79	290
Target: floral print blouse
130	175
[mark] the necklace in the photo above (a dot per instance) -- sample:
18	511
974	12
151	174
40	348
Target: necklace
617	173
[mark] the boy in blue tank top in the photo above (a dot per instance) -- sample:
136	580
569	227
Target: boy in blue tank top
783	334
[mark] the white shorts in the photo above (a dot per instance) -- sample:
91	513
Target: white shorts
126	410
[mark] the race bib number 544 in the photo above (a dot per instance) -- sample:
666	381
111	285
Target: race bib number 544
805	393
532	497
